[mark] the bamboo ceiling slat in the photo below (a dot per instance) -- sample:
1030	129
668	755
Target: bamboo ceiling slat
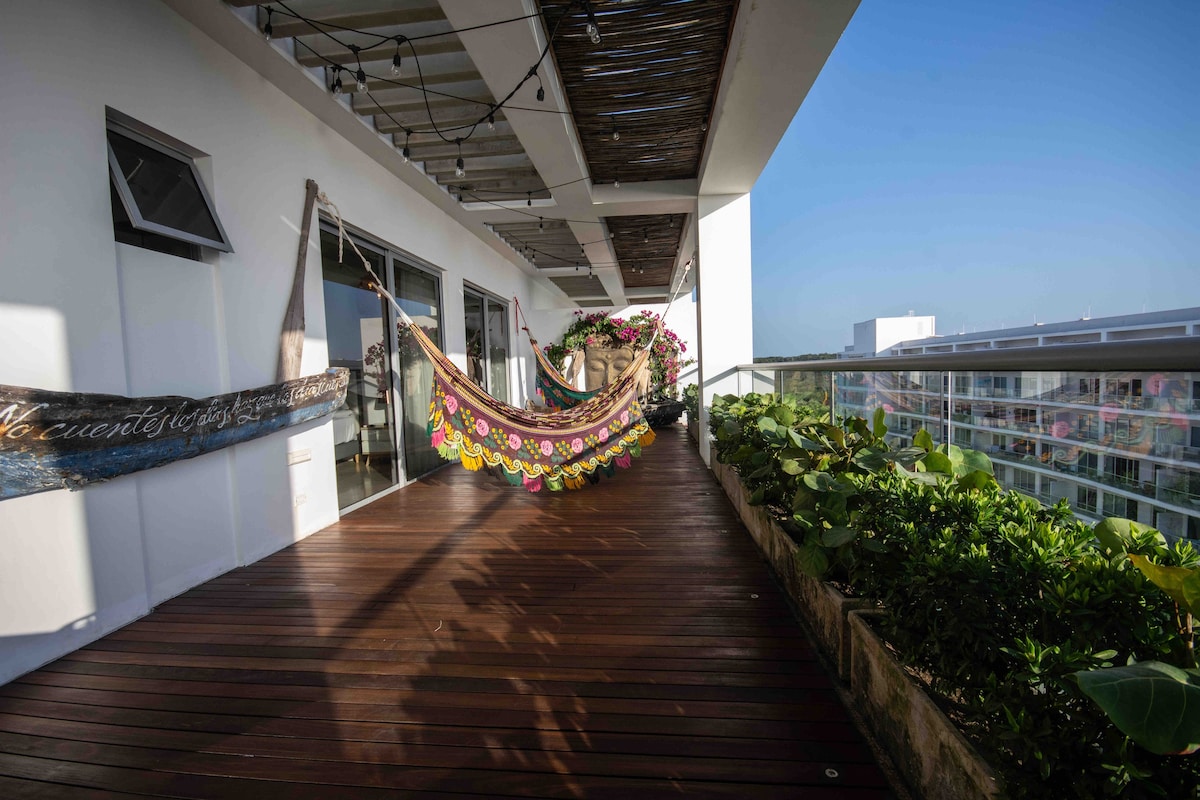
652	79
647	247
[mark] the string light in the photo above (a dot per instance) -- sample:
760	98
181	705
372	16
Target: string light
337	80
541	92
616	134
616	183
529	199
267	29
406	154
459	170
491	121
360	76
592	30
645	236
396	70
541	226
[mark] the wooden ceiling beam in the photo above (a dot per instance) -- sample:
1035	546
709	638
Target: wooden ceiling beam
342	55
284	25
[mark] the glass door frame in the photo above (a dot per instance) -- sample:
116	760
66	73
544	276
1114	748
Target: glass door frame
392	258
485	296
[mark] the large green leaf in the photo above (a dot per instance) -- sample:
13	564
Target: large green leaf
879	429
975	461
767	424
811	559
1183	585
923	440
838	536
1155	704
1117	534
791	466
782	414
819	481
939	462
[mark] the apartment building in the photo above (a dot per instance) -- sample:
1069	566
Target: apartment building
1123	444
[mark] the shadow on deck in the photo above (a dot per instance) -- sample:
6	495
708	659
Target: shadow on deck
461	638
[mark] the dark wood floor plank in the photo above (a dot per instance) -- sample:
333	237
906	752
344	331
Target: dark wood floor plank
456	639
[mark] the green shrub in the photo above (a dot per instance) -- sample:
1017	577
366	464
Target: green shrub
998	602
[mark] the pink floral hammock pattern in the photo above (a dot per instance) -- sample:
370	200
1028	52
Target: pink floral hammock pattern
558	450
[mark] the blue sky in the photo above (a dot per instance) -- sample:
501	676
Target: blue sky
993	164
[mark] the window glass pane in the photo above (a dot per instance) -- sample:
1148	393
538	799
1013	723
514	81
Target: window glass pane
418	293
473	320
164	188
498	349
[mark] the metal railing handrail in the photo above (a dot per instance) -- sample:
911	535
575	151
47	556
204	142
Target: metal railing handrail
1180	354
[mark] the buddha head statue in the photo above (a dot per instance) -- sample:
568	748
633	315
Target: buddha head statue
603	365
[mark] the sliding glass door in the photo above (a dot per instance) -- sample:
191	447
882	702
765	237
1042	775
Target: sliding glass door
486	321
380	435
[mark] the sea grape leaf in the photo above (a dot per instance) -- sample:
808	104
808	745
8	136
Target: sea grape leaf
818	481
1183	585
1155	704
939	462
975	479
880	430
811	559
767	424
923	440
791	466
1116	533
975	461
838	536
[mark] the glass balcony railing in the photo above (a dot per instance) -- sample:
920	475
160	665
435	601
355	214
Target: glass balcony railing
1054	422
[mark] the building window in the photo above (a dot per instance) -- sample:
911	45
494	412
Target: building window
159	200
962	437
1121	469
1085	499
1117	506
1023	481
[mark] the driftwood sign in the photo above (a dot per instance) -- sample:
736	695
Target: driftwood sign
66	440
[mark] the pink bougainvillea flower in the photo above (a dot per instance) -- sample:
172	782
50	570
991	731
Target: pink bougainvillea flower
624	418
451	404
577	445
481	427
514	441
603	434
1108	412
546	447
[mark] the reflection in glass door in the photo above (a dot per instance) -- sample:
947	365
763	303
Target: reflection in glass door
486	320
419	294
356	324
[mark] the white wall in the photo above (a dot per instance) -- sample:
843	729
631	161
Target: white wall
81	313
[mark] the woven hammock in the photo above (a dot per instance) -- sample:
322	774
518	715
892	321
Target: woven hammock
557	450
556	390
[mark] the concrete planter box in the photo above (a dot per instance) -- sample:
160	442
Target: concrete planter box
926	747
929	751
820	604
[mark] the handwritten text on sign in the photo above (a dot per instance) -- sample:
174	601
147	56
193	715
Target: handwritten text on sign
42	421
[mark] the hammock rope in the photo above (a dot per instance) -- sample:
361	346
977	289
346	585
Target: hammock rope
556	450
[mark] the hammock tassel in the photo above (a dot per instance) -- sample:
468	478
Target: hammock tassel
438	438
647	438
473	463
624	460
514	478
573	483
533	484
554	484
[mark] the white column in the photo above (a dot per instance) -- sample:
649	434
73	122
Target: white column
724	317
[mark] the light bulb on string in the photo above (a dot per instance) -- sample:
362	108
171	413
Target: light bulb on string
491	121
593	32
616	184
337	81
361	78
529	199
268	29
396	70
541	226
459	169
406	154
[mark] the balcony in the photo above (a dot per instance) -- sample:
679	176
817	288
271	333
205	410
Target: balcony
463	637
1072	446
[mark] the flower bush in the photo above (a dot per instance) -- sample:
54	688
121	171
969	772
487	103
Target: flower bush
599	329
998	603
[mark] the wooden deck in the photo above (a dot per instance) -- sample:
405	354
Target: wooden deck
461	638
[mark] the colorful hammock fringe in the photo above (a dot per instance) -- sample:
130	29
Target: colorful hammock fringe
554	451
